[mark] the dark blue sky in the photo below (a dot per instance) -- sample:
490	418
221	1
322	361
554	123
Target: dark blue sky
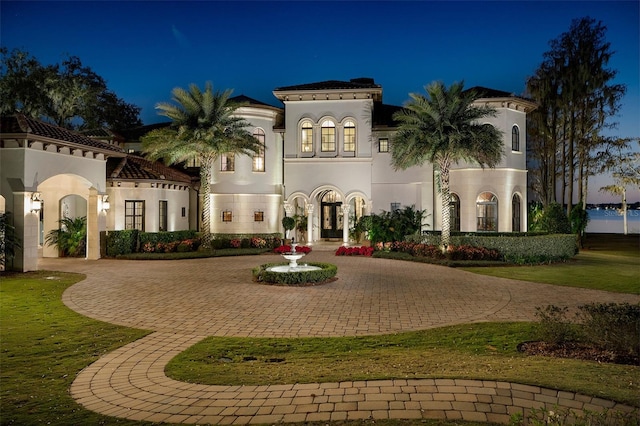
144	49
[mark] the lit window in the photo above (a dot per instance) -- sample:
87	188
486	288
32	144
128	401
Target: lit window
383	145
258	216
227	216
487	212
134	214
515	138
307	137
349	136
162	216
227	162
328	142
258	159
194	162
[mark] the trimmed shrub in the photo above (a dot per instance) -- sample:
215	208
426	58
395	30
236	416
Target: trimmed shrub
121	242
327	271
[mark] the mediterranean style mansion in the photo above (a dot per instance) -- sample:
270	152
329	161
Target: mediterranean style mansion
326	156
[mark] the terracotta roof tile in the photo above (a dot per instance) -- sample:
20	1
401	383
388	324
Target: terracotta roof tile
133	167
20	123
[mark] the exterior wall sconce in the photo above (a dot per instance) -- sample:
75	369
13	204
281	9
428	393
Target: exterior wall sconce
36	202
104	203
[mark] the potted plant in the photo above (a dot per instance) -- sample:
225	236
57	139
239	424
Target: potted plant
288	223
70	238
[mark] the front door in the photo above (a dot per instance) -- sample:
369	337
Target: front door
332	220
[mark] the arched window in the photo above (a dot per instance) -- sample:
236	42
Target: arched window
515	138
454	212
306	137
328	142
515	213
258	159
349	136
487	212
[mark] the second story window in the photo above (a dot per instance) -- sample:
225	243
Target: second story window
349	136
227	162
306	137
328	143
258	159
383	145
515	138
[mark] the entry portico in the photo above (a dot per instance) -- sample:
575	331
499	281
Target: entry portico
49	173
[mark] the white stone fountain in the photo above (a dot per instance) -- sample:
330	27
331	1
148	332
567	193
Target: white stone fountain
293	256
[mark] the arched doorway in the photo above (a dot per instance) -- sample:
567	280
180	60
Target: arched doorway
331	215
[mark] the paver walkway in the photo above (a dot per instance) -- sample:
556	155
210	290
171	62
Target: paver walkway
185	301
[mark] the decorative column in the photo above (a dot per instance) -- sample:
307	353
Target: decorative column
93	229
309	224
345	224
26	222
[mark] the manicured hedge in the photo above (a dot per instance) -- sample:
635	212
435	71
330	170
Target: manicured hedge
121	242
165	237
327	272
516	247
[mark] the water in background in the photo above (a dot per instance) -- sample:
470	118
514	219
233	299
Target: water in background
611	221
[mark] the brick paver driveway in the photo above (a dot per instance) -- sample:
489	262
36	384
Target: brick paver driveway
185	301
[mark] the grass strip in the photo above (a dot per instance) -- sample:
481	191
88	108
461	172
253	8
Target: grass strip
44	346
485	351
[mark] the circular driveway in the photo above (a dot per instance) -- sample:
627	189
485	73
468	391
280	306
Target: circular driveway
217	297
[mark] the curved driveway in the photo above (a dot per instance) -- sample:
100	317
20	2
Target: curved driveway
185	301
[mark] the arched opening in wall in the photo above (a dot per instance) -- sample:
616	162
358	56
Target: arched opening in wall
331	216
299	213
487	212
71	236
516	205
454	212
357	209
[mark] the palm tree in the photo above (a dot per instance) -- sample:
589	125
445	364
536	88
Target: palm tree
203	128
444	129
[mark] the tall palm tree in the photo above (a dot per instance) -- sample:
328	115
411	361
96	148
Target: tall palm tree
443	128
203	128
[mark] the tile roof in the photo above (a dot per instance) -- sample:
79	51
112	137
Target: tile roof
133	167
354	83
242	99
19	123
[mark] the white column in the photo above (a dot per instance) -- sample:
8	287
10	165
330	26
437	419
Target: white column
345	224
309	224
26	223
93	230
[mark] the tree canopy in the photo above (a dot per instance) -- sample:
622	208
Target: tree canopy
444	128
203	127
68	94
575	90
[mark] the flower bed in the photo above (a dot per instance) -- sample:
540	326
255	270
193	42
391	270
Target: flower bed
326	272
354	251
287	249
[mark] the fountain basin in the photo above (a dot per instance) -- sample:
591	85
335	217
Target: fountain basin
296	268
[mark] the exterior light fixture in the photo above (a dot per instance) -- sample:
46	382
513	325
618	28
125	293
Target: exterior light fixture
36	202
105	205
